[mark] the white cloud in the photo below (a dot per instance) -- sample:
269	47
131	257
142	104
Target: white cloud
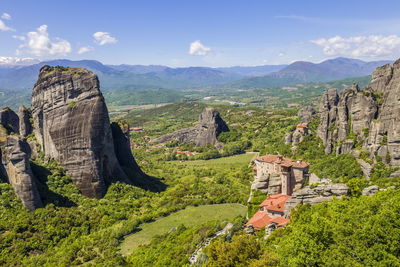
18	61
85	49
6	16
38	43
281	54
103	38
360	46
198	49
4	27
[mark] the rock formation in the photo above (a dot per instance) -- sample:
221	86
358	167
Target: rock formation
305	116
370	190
368	119
15	154
25	126
318	194
9	121
72	126
210	125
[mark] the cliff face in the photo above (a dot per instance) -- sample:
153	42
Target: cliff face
16	168
367	119
72	126
210	125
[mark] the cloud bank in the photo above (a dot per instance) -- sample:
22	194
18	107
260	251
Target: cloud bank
360	46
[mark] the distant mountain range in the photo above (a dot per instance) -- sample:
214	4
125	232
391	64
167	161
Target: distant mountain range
134	77
303	72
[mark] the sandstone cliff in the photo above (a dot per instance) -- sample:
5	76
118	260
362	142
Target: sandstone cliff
210	125
367	119
72	126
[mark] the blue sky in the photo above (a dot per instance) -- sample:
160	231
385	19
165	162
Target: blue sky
199	33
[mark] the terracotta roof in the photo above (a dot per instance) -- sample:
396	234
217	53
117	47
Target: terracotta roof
302	126
275	202
261	219
280	221
286	162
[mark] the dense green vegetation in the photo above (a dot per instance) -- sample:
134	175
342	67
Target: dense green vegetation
75	230
361	231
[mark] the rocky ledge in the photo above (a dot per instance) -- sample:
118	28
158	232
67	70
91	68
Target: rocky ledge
315	195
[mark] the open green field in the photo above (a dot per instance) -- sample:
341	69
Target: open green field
224	161
190	216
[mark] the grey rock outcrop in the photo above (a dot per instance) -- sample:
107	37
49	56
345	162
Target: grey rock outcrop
122	147
315	195
17	169
210	125
370	190
271	184
9	120
306	114
25	126
371	116
314	179
366	168
72	126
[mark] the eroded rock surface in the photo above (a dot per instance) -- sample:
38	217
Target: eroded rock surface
72	126
371	117
210	125
315	195
25	126
305	116
17	169
9	120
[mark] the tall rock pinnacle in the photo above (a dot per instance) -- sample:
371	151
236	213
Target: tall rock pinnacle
72	126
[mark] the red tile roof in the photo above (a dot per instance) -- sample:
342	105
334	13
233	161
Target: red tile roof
302	126
261	219
286	162
280	221
275	202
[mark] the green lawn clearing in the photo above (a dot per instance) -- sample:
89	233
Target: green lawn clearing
190	216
